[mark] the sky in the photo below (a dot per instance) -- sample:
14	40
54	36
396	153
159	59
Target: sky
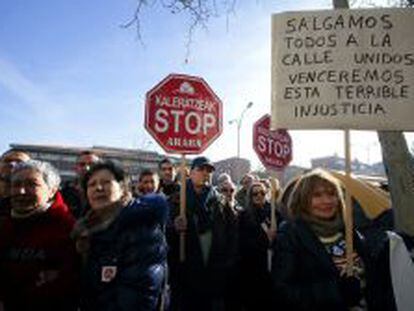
71	75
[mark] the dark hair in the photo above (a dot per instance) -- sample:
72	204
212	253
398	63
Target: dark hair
111	166
250	210
249	194
145	172
87	152
163	161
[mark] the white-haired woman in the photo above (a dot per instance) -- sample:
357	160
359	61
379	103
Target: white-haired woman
37	255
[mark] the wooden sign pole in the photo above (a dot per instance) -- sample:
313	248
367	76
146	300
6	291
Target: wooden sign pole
273	219
182	205
276	176
348	208
343	4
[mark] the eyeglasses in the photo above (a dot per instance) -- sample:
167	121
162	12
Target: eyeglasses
227	190
256	193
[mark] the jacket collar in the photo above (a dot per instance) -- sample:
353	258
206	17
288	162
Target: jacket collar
312	243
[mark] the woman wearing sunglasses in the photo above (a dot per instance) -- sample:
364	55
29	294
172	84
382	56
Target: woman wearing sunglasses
255	238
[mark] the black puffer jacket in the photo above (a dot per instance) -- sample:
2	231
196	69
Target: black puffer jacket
305	277
125	264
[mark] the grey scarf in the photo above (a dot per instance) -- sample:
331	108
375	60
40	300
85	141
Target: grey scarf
324	227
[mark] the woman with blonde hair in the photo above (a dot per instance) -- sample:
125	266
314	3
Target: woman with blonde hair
309	266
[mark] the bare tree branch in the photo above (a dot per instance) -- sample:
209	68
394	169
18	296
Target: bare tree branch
135	20
199	13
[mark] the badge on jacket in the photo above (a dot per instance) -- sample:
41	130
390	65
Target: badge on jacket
108	273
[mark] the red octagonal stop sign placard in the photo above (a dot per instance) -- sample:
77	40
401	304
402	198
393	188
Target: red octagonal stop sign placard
274	148
183	114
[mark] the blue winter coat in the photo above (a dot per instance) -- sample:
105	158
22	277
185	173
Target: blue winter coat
126	262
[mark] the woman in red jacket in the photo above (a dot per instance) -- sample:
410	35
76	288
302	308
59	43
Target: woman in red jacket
37	256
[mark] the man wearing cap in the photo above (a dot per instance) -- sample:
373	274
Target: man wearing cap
191	288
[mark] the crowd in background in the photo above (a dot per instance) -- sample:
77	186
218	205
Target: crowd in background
104	243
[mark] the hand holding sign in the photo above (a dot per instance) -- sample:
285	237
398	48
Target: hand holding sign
184	116
274	149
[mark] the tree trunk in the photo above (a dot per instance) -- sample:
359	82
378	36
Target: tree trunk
399	168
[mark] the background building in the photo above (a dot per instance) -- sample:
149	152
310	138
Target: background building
64	158
135	160
358	168
235	167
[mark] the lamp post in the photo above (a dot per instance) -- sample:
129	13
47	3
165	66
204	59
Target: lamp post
239	123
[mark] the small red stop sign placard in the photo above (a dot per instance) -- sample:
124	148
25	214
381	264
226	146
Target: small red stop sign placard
274	148
183	114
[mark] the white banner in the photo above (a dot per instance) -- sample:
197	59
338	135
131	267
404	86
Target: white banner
343	69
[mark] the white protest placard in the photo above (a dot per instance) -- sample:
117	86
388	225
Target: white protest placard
343	69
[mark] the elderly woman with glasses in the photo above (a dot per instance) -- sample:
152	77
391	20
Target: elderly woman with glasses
255	237
122	243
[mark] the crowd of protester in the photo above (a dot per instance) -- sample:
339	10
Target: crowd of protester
101	242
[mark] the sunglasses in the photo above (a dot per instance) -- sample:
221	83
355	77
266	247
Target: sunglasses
227	190
256	193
